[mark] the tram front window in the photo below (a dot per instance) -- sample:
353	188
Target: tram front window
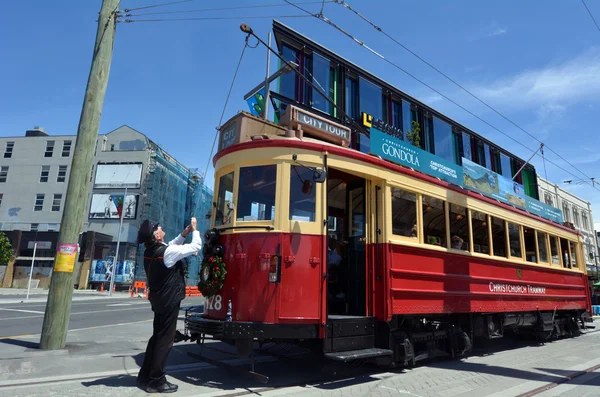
224	199
256	194
302	195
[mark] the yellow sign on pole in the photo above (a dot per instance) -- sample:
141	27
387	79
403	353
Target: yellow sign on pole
65	258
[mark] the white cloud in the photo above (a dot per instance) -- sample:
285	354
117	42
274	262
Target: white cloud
570	81
497	31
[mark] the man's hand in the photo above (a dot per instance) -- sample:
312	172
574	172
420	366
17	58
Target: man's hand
194	223
186	231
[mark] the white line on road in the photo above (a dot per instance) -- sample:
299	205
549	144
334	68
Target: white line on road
120	304
23	311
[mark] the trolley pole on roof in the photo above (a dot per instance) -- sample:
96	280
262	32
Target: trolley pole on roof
58	306
267	89
527	162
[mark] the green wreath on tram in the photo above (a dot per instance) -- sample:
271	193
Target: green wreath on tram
212	276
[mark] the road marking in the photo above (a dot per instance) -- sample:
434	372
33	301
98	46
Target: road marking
23	311
120	304
19	318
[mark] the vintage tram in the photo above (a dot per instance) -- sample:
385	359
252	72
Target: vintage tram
365	258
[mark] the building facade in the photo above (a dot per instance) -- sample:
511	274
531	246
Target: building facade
131	177
358	93
577	212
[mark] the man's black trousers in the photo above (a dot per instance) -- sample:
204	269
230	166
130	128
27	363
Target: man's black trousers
159	345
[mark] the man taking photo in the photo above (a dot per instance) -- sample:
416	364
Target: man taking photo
166	284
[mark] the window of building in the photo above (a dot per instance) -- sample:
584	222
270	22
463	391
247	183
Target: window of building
49	149
573	251
44	173
39	202
409	114
499	236
466	144
505	166
566	213
34	227
66	152
585	221
548	198
481	238
542	241
514	239
53	227
554	251
575	216
56	202
434	221
302	195
1	197
224	199
397	116
488	156
443	140
459	227
3	173
112	147
351	98
8	150
529	240
404	213
257	199
288	81
320	76
62	173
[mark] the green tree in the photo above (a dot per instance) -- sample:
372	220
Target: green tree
6	251
414	135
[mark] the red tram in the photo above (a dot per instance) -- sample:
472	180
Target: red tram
365	258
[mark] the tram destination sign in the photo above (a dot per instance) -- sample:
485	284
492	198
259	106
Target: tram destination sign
316	126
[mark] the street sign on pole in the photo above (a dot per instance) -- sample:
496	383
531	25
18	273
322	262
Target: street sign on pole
116	260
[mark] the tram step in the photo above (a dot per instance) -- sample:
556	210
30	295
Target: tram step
341	326
358	354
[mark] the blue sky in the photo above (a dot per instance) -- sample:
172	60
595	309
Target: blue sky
540	66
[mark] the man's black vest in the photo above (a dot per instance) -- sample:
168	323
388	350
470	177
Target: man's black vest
166	285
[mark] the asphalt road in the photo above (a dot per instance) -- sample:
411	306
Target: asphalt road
17	319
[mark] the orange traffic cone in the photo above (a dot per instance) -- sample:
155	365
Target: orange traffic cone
102	287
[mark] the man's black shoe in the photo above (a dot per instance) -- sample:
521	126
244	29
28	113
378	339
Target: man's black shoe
162	388
141	383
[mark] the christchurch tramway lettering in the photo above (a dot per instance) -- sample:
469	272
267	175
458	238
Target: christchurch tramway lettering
516	289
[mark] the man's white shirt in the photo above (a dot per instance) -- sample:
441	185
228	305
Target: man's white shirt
176	250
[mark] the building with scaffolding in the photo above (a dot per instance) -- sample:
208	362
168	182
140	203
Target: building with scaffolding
131	177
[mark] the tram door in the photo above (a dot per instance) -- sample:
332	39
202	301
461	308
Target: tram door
347	244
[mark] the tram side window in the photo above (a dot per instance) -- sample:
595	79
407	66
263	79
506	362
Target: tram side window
499	236
543	249
302	195
434	221
530	251
404	213
256	201
514	236
459	227
481	236
564	248
225	197
554	252
573	246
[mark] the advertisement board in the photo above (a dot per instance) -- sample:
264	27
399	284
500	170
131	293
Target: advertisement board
111	206
101	270
118	176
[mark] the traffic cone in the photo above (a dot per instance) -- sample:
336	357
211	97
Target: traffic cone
102	287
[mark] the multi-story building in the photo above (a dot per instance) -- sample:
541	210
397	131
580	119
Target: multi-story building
358	93
577	212
131	176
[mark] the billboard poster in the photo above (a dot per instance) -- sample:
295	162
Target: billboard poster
487	182
398	151
118	176
102	270
111	206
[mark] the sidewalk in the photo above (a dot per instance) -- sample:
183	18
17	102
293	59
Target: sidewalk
18	295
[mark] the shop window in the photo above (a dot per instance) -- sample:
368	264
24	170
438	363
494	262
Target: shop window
514	239
434	221
554	251
573	250
479	224
443	140
529	239
499	236
404	213
256	201
224	199
302	195
459	227
542	247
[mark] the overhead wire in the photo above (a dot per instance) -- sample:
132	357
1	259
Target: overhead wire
362	44
215	18
591	16
348	7
157	5
227	8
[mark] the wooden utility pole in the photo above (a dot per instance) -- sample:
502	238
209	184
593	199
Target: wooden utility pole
58	307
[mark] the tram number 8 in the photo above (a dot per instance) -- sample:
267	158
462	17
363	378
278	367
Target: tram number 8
215	302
